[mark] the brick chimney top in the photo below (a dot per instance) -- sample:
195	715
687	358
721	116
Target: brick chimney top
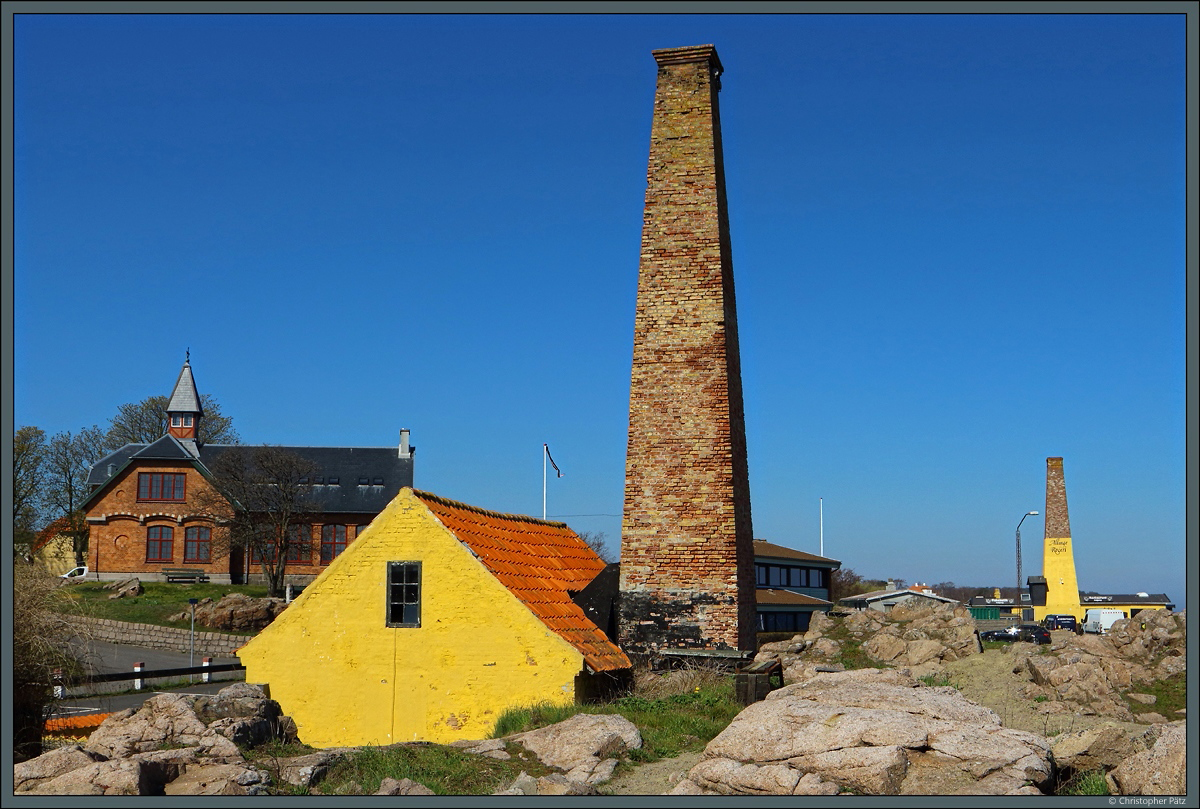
691	53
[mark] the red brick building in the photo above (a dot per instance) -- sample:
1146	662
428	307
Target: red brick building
144	517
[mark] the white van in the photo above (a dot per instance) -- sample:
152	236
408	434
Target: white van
1099	621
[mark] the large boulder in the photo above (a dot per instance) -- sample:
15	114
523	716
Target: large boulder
1160	770
869	731
1101	747
29	774
176	745
235	612
584	746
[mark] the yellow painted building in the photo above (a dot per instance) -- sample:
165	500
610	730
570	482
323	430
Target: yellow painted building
54	550
437	619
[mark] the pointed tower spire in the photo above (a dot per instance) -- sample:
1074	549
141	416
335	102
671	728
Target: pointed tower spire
687	553
184	410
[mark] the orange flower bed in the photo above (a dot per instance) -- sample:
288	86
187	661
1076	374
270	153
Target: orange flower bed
70	725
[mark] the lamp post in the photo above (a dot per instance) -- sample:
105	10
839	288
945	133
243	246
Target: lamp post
192	638
1027	514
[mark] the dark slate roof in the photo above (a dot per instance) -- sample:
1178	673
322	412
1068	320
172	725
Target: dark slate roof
1123	598
349	466
764	548
114	461
184	398
167	448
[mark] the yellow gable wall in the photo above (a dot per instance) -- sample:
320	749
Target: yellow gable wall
57	556
346	678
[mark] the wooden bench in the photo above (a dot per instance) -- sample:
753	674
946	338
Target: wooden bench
190	575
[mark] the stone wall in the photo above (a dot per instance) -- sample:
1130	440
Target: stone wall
686	540
214	644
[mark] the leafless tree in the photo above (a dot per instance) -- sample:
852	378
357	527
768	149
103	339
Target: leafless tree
68	460
262	505
598	542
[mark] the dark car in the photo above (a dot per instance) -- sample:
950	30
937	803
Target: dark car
1061	622
1029	633
1032	633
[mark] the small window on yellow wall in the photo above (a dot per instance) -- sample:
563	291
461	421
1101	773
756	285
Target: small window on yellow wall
404	594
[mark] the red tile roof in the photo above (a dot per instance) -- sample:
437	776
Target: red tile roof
539	562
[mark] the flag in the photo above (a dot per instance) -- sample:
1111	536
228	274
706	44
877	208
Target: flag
551	459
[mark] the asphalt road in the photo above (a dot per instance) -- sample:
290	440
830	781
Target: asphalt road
110	658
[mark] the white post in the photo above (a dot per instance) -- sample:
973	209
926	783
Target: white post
206	677
821	502
138	682
545	452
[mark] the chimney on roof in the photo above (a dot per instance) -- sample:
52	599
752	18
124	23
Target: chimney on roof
405	449
891	584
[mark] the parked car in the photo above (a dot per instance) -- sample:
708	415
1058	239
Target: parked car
75	573
1032	633
1061	622
1029	633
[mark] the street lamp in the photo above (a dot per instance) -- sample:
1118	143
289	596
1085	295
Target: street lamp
191	652
1027	514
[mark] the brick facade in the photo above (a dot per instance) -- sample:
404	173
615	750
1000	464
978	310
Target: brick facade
687	559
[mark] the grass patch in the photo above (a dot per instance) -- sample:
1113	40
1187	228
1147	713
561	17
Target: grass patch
1171	696
444	770
670	724
160	600
1085	783
938	680
850	653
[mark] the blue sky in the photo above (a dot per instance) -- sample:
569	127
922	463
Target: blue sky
958	243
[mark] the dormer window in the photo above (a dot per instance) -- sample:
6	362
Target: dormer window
181	420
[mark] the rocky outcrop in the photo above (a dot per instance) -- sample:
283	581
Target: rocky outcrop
235	612
584	747
129	588
1102	747
916	637
1090	674
1158	771
173	744
404	786
872	732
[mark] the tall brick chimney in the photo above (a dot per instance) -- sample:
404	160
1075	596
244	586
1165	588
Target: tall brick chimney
687	554
1058	555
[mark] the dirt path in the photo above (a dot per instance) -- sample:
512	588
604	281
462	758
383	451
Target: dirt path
655	778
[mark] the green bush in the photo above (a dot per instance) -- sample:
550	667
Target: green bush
1091	782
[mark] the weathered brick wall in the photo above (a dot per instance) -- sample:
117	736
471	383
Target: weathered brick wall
214	644
118	522
686	541
1058	524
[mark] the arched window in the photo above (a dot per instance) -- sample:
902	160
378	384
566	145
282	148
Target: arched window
160	541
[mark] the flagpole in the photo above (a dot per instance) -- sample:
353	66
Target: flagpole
545	452
821	501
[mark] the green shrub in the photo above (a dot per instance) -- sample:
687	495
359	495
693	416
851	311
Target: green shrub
1091	782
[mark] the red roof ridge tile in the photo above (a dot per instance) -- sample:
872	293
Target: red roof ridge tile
446	501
